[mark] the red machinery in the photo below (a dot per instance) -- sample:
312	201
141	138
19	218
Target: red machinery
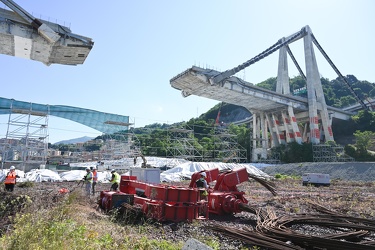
224	198
161	202
170	203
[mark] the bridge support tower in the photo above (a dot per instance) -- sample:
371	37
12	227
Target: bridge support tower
272	128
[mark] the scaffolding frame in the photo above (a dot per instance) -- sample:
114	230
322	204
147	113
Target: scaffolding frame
330	153
121	145
26	141
181	144
227	148
272	158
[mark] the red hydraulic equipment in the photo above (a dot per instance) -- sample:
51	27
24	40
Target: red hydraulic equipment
224	198
171	203
157	201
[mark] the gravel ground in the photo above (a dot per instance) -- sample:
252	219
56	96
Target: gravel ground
355	199
350	171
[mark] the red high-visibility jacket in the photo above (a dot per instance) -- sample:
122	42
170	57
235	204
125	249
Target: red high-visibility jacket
11	178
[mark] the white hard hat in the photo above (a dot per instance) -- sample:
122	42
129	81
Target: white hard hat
113	170
93	167
12	167
203	174
88	168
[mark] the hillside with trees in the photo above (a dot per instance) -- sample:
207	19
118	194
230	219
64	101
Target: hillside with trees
336	92
356	134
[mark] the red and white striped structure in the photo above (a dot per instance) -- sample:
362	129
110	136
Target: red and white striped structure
278	117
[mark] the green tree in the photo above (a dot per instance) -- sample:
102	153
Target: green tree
200	127
243	137
346	101
336	92
270	83
207	144
66	147
294	152
92	147
365	120
363	140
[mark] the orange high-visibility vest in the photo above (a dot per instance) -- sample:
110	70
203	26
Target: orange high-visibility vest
95	176
11	178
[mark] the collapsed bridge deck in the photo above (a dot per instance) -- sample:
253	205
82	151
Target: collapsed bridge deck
195	81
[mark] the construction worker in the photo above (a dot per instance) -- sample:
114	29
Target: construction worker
115	180
203	191
88	181
202	184
94	179
10	179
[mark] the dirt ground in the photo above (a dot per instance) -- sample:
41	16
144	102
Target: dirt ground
349	171
240	231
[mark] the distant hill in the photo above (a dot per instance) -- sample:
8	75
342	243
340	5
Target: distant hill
228	113
76	140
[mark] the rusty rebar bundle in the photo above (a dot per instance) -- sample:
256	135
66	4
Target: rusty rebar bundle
275	232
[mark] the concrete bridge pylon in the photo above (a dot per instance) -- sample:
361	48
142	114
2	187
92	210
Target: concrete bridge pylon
283	124
278	117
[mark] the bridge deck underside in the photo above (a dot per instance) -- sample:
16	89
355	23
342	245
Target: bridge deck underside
195	81
20	39
235	91
100	121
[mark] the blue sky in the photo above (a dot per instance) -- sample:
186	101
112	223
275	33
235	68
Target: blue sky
140	45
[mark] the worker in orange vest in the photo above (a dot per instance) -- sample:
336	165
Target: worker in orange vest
10	179
94	179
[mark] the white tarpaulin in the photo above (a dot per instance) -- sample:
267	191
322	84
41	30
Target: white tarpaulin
178	169
126	163
160	162
77	175
186	170
40	175
73	175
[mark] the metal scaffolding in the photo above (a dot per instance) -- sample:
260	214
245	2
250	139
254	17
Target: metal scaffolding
225	148
120	145
26	141
330	153
182	144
